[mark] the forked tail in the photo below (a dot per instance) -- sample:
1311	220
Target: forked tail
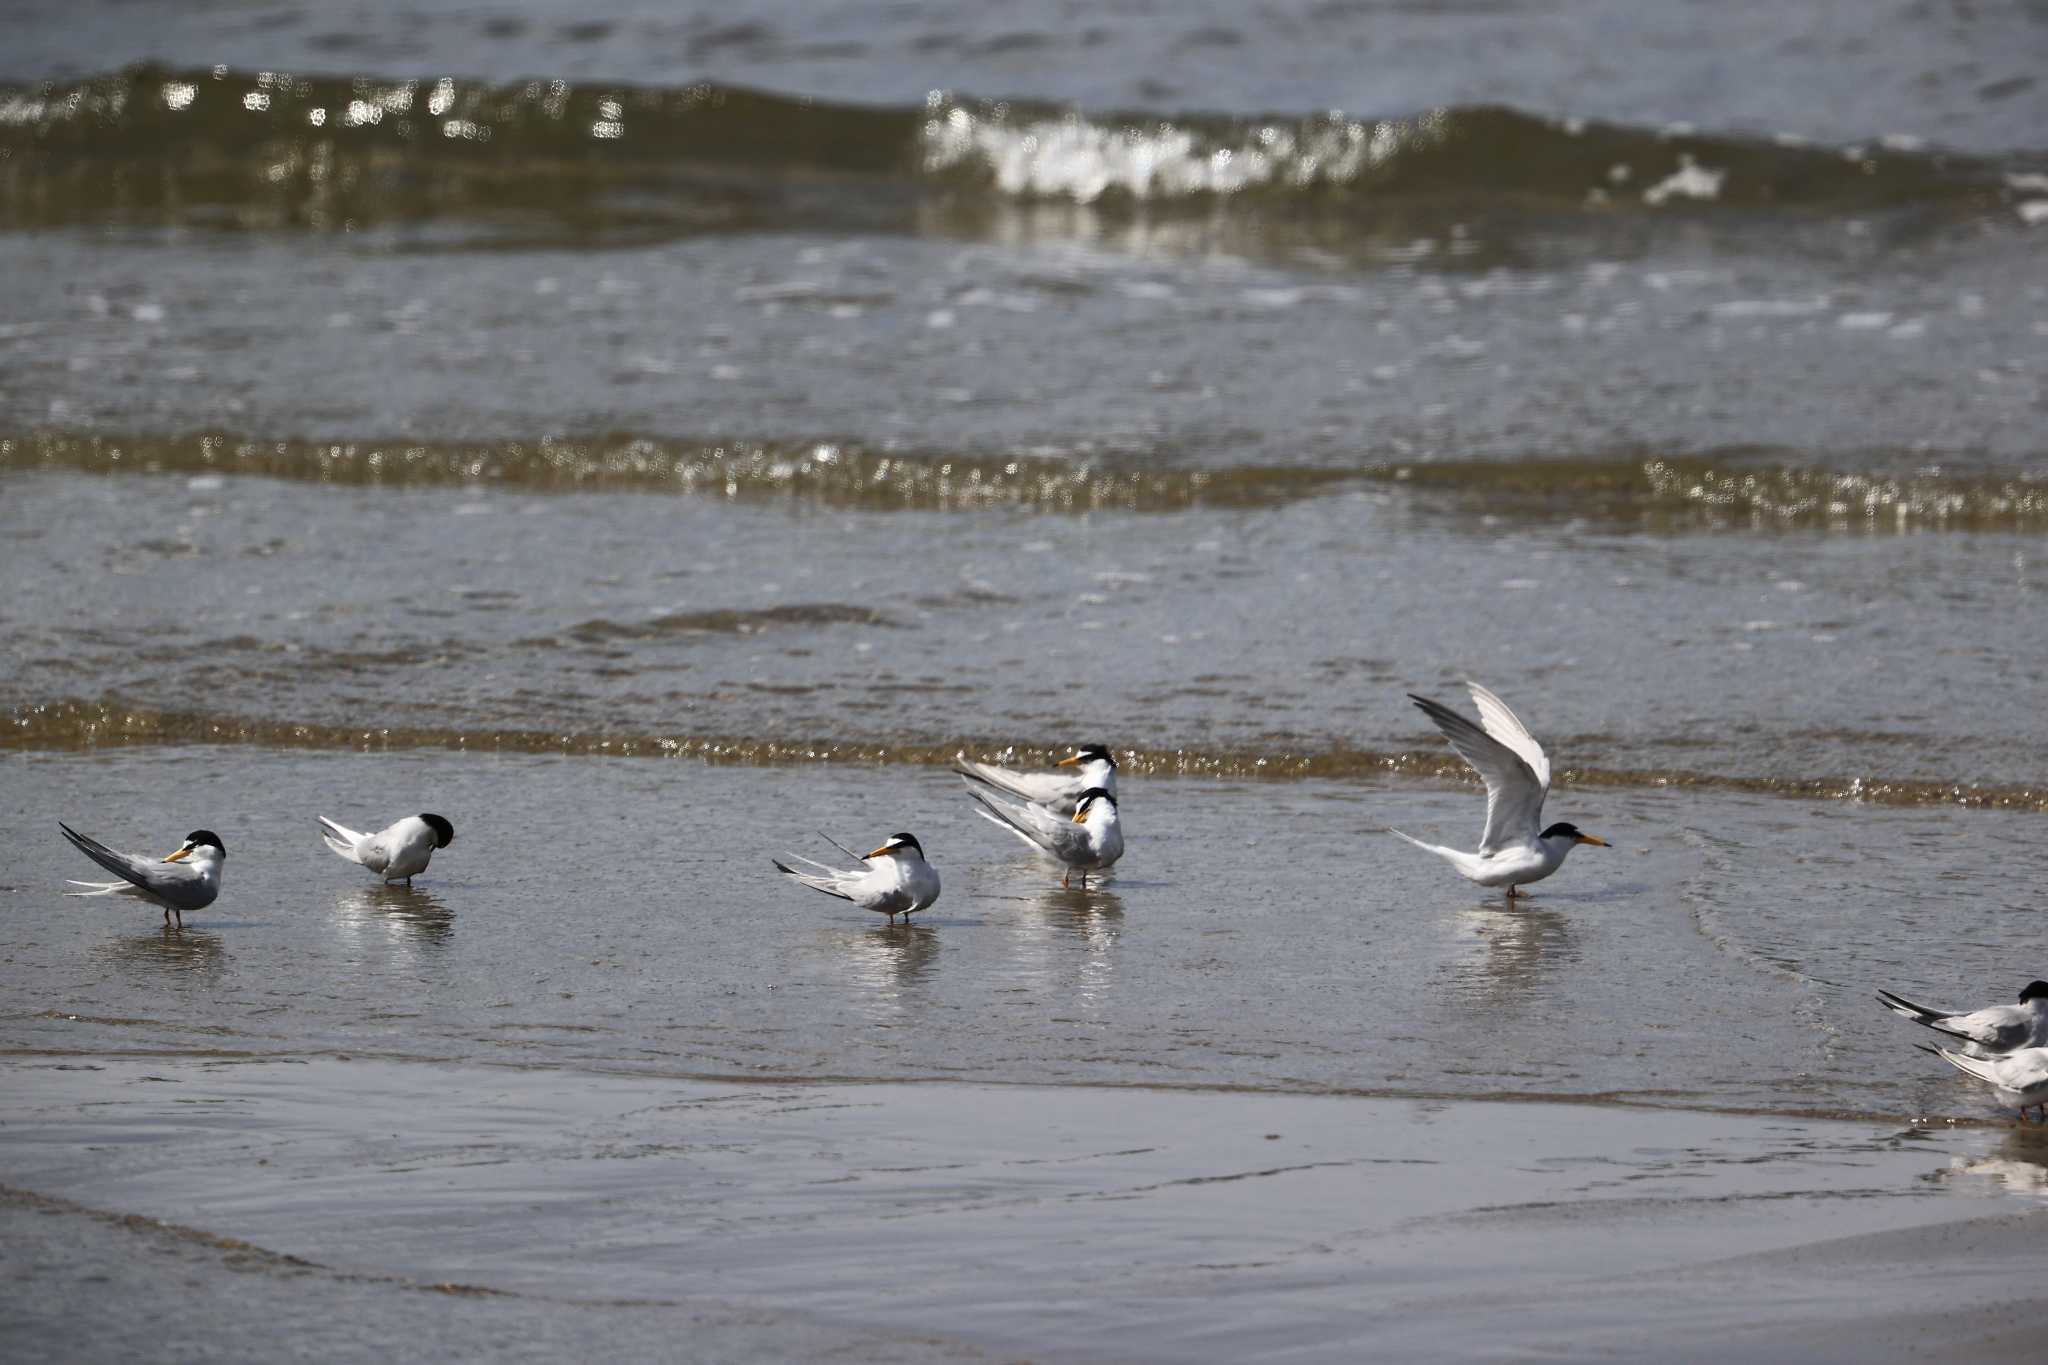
1969	1066
995	814
1449	855
825	883
341	839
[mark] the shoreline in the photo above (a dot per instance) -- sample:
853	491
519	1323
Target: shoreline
653	1073
963	1220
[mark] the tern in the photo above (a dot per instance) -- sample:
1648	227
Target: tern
1094	770
895	879
1516	848
1087	841
186	879
2020	1078
1989	1032
394	853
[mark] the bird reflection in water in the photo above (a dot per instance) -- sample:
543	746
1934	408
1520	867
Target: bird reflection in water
1511	951
399	913
191	954
892	959
2019	1164
1093	915
1059	921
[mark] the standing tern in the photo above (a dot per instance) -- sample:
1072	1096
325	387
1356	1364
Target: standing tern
394	853
186	879
2020	1078
896	880
1087	841
1094	770
1516	848
1989	1032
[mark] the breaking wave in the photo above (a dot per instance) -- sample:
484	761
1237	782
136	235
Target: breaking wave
273	150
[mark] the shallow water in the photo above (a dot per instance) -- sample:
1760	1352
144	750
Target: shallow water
652	436
621	913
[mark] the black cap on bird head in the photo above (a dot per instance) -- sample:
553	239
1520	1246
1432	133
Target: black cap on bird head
444	833
897	841
1090	753
1565	829
198	839
2036	990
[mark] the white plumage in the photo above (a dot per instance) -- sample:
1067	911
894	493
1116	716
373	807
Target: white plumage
398	852
1514	848
893	880
188	879
1089	840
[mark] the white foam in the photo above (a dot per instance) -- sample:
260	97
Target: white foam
1691	181
1770	308
1072	158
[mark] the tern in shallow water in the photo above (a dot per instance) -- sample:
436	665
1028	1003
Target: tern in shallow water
186	879
1516	848
1094	769
1087	841
894	879
2020	1078
1989	1032
394	853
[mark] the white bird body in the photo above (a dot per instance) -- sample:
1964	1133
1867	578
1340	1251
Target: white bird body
397	852
1992	1031
893	880
189	879
1089	840
1515	848
2019	1078
1094	767
1515	865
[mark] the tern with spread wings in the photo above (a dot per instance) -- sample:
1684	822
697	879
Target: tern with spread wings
188	878
394	853
1094	769
1516	848
893	880
1087	841
1989	1032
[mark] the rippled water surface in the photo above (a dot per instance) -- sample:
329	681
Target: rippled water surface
654	435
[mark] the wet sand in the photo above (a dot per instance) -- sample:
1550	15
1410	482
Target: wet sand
975	1221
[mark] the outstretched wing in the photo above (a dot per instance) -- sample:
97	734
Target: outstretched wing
1514	792
1506	727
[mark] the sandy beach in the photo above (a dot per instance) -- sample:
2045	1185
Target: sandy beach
375	1208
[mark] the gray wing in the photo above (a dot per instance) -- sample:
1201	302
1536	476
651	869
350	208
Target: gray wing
1055	789
2000	1028
1034	824
175	882
1514	791
1506	727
